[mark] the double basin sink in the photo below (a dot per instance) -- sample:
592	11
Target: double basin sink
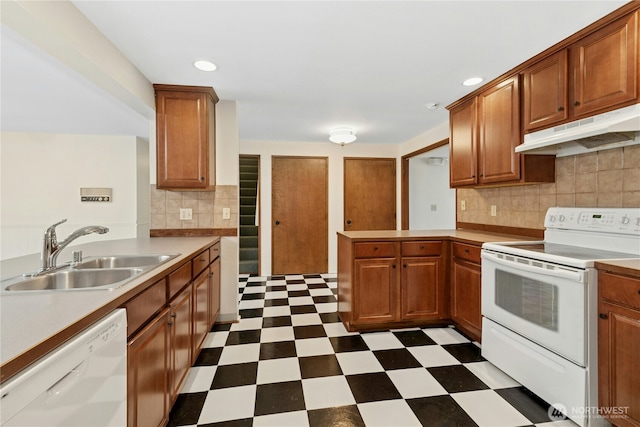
106	272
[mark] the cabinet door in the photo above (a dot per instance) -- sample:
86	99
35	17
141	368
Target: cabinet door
148	374
605	67
423	296
463	160
376	290
200	312
499	132
183	139
214	292
465	297
181	346
545	92
618	350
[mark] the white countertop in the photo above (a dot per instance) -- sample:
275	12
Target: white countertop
30	318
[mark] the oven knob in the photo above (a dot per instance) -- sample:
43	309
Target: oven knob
638	221
561	218
624	220
552	218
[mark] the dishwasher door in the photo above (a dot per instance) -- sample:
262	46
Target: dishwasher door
81	383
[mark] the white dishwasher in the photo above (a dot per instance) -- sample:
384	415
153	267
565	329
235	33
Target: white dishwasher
81	383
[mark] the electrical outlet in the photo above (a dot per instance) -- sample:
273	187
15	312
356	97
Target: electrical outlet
463	205
434	208
226	213
493	210
186	214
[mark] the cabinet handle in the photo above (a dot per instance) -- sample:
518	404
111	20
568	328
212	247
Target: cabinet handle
603	316
394	266
170	323
375	248
466	251
575	104
421	247
202	178
560	108
277	222
173	315
404	265
203	260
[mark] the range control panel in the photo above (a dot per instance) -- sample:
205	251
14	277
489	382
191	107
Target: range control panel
608	220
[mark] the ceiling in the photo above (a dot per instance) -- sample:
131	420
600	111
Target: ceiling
297	69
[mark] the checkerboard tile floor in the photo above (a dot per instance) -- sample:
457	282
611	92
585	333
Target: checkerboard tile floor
290	362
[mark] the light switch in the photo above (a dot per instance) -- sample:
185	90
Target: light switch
493	210
226	213
463	205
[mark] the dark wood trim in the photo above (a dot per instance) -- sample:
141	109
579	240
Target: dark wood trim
503	229
192	232
404	186
563	44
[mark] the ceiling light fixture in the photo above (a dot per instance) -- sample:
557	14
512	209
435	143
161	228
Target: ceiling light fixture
472	81
342	135
205	65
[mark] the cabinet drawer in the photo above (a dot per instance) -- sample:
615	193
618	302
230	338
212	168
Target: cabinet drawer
375	250
620	289
421	248
141	308
214	252
178	279
468	252
200	263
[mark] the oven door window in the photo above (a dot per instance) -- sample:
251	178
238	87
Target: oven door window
527	298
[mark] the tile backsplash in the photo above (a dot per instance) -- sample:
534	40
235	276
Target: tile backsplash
206	208
608	178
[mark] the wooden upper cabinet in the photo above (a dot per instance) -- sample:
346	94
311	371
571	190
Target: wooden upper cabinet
463	161
545	92
185	132
499	132
605	67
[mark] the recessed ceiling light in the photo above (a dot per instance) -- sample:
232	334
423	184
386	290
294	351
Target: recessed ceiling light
205	65
472	81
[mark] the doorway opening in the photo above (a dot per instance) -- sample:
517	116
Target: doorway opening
249	249
427	201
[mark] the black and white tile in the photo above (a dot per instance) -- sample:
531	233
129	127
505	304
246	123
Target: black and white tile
290	362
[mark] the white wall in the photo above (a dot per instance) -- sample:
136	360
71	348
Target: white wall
428	188
336	155
40	180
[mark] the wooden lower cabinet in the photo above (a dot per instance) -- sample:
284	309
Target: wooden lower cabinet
619	348
168	323
376	293
181	343
148	374
214	291
465	289
379	287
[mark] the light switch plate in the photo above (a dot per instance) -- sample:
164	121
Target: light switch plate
463	205
186	214
493	210
226	213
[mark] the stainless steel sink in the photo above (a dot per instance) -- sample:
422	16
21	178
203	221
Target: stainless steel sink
76	279
124	261
101	272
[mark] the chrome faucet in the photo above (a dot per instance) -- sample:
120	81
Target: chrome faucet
51	248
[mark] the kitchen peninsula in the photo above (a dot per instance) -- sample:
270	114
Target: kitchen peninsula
391	279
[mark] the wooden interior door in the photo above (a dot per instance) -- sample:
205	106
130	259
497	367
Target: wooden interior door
300	226
369	194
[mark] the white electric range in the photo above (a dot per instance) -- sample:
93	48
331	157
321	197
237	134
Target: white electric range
539	305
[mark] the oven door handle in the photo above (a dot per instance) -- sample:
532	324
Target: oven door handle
564	273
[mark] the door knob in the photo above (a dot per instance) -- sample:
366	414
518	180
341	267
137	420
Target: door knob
348	222
277	222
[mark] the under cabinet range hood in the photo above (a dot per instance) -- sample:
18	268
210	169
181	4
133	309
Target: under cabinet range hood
613	129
